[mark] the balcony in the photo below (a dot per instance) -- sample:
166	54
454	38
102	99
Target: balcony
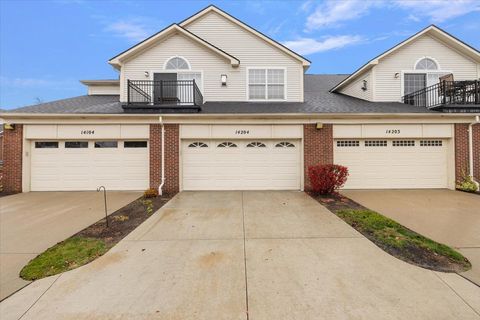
164	96
447	96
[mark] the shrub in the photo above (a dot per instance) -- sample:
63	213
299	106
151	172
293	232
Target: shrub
150	193
326	178
466	183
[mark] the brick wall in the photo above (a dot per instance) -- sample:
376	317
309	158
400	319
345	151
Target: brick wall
476	151
318	147
172	172
12	159
461	151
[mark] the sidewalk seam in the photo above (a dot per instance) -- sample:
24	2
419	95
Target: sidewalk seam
35	302
457	294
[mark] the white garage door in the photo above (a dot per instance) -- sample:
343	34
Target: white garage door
394	164
86	165
241	165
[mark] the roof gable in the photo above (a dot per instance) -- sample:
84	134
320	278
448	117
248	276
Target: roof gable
225	15
162	34
432	30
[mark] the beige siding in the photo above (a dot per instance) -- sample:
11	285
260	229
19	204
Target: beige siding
201	59
389	88
103	90
354	89
250	50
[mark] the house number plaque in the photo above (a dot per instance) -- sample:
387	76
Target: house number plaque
87	131
242	132
392	131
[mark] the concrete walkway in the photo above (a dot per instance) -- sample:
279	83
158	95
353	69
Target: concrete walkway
246	255
32	222
446	216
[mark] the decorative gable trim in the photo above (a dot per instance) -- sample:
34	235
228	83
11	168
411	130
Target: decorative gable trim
212	8
433	30
162	34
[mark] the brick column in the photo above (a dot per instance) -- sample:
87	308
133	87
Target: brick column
476	151
462	150
317	147
12	159
172	172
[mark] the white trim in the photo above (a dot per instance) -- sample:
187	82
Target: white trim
266	84
427	57
177	56
210	8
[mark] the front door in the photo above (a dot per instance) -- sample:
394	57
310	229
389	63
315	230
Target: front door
165	88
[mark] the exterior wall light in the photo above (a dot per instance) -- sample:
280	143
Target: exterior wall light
9	126
223	80
147	74
364	86
319	125
396	75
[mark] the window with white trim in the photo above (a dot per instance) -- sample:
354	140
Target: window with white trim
177	63
198	144
227	145
284	144
375	143
266	84
256	144
431	143
426	64
403	143
348	143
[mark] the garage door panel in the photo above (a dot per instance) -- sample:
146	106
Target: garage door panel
393	166
58	169
240	167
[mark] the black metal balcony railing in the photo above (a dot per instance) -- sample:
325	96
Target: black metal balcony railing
446	94
164	92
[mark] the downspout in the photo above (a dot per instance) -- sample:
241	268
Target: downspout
470	149
162	181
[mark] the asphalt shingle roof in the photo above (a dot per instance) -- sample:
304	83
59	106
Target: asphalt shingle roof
318	99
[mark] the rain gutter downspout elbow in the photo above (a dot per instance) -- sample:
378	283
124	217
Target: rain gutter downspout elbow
162	181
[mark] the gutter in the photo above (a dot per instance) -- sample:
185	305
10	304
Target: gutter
470	149
162	181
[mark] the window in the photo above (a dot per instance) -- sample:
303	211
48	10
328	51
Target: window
227	145
348	143
266	84
76	144
431	143
256	144
177	63
375	143
198	145
106	144
426	64
404	143
46	144
284	144
414	82
135	144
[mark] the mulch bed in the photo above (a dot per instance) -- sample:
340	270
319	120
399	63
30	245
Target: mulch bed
123	221
414	255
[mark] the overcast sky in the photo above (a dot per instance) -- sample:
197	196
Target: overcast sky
47	46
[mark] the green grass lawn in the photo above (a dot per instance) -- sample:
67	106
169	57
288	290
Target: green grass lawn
67	255
392	234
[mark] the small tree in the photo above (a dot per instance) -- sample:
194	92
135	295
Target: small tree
326	178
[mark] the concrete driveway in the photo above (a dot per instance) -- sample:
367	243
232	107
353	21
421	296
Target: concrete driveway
32	222
446	216
246	255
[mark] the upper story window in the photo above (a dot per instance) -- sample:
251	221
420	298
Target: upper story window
426	64
266	84
177	63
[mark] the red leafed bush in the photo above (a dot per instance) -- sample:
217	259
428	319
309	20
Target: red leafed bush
326	178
